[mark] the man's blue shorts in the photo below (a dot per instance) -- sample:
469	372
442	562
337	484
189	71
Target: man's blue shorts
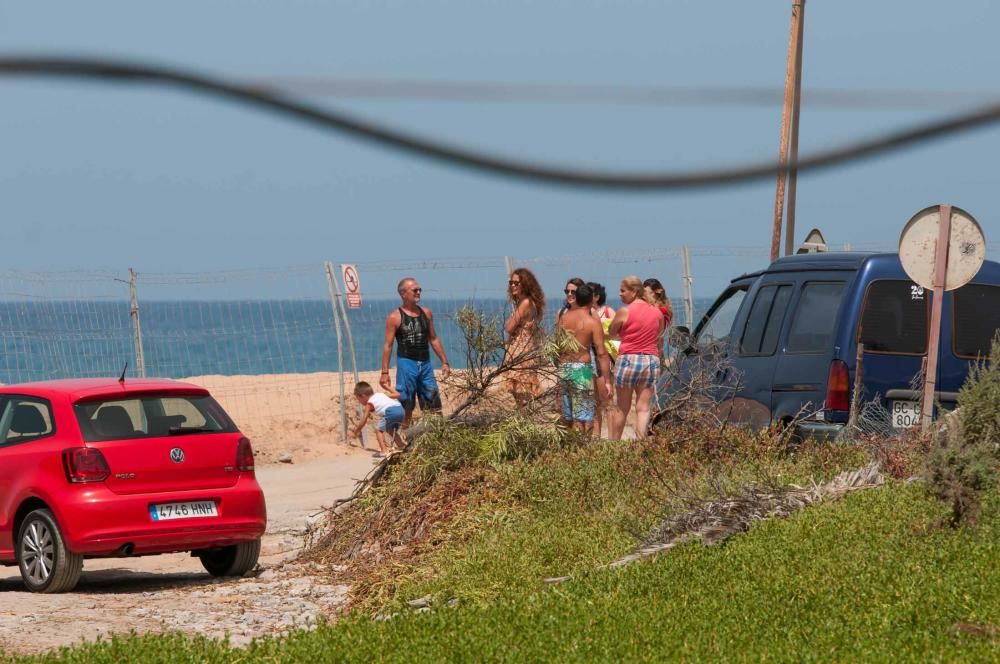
415	380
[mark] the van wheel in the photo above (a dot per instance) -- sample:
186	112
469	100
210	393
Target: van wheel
235	560
47	566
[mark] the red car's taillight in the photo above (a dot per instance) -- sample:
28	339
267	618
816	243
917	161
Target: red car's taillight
244	456
85	464
838	387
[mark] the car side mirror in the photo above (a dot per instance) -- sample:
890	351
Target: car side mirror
680	337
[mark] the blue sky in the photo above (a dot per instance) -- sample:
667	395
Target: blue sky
103	176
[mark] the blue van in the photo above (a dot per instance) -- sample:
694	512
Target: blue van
786	341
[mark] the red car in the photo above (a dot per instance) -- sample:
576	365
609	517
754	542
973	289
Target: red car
97	468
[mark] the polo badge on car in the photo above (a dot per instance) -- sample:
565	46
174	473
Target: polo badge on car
177	455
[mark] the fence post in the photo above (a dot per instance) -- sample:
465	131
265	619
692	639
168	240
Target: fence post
687	281
340	348
140	358
508	262
350	343
347	327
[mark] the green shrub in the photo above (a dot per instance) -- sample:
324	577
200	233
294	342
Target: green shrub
446	446
520	439
965	457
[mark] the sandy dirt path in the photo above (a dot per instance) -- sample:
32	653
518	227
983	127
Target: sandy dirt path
173	592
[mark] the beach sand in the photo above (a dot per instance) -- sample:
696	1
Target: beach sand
295	413
299	414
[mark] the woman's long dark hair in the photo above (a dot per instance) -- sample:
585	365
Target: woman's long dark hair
600	293
530	289
660	298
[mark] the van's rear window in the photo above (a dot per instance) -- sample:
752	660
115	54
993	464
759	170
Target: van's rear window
151	416
977	319
815	316
894	317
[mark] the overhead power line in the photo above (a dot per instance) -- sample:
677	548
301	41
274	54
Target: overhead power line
132	72
610	93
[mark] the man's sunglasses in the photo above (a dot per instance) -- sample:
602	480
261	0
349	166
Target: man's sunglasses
416	290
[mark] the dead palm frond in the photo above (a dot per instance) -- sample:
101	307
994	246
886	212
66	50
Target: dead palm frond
716	520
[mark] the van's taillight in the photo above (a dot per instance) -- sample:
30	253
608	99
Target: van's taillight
838	387
85	464
244	456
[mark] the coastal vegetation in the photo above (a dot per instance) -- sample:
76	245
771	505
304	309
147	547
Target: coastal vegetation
513	539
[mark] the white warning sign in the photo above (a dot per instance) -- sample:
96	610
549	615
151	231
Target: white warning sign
352	285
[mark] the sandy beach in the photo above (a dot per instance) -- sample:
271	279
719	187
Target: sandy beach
299	414
294	413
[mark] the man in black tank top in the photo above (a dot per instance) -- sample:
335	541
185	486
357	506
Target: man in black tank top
411	327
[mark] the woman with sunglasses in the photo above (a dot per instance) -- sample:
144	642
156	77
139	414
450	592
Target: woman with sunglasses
570	292
523	330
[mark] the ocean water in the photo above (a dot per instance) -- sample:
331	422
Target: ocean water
42	340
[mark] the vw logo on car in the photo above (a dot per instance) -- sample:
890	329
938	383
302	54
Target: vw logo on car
177	455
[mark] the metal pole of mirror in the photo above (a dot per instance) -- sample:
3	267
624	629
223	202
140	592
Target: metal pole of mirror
941	248
859	360
937	305
340	349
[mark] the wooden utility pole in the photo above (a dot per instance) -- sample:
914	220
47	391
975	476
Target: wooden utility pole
789	129
793	173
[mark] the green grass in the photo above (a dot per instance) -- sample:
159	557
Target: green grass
483	522
569	513
871	577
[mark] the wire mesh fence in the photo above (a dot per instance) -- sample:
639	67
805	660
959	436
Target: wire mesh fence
55	325
264	340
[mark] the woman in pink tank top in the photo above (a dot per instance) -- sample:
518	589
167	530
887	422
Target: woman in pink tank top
639	325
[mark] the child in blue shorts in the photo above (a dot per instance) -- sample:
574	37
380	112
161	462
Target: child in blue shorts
389	410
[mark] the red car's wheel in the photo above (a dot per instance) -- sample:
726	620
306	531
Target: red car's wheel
47	566
235	560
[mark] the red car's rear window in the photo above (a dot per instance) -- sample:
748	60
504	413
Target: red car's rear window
151	416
